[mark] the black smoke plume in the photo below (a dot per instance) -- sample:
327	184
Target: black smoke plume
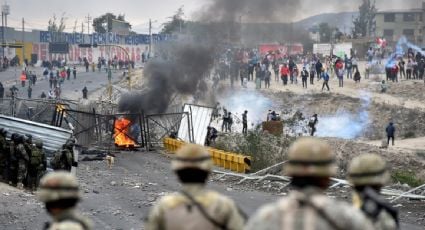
180	69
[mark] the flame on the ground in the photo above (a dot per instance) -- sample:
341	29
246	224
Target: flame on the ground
121	133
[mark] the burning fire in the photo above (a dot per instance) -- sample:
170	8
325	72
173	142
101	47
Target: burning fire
121	133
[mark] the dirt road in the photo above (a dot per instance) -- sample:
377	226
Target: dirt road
121	198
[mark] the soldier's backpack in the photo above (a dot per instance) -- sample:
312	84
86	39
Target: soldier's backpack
36	158
56	161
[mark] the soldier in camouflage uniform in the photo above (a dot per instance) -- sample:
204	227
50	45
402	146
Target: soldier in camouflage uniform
12	160
36	164
194	207
64	159
23	159
368	173
60	193
43	166
3	155
310	164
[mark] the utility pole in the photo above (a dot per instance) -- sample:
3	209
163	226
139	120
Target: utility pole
88	23
23	41
150	38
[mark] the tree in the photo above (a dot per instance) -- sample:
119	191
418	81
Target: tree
364	24
176	23
103	23
325	32
54	27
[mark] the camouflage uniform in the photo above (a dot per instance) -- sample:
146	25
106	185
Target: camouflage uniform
194	207
308	207
370	170
63	160
12	161
36	165
3	155
58	186
23	159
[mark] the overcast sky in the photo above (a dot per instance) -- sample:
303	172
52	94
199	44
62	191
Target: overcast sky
138	12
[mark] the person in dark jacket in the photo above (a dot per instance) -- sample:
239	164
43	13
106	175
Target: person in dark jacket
390	133
319	70
85	91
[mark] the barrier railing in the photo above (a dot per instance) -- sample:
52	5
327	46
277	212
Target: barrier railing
228	160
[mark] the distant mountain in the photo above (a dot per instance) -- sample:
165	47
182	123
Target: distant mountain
343	20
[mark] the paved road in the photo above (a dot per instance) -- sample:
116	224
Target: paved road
70	89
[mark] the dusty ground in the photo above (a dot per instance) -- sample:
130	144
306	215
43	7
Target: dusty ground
121	198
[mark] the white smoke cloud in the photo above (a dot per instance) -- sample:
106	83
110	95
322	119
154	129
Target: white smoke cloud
344	124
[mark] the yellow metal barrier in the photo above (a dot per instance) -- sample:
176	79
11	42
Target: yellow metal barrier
232	161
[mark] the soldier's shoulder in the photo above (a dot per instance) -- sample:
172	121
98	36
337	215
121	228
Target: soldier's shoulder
265	217
170	200
67	225
385	221
346	214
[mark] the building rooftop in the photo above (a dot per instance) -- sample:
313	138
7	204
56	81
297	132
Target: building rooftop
418	10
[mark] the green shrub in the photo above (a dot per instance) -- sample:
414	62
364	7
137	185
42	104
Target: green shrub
406	177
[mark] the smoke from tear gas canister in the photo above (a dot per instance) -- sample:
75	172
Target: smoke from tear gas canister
254	102
399	51
344	124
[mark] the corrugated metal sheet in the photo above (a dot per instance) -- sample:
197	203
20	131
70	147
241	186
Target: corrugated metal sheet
200	120
53	137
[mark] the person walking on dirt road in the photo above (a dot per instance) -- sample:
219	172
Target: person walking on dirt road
390	130
325	77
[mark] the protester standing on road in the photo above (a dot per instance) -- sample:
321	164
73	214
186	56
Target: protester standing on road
23	78
229	122
194	207
267	79
390	130
245	122
284	72
74	72
311	163
325	77
304	77
85	91
312	72
1	92
29	92
312	124
319	69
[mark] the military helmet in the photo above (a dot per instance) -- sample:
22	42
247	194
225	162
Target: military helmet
28	138
58	185
368	169
192	156
38	144
310	157
19	139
